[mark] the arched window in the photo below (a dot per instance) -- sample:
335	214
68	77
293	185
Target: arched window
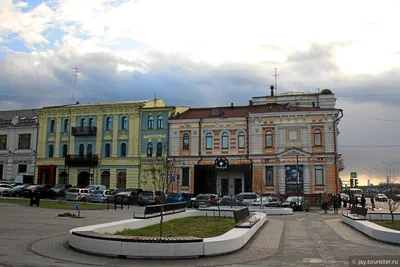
64	150
209	141
317	138
150	122
123	150
81	150
185	141
89	149
268	139
150	149
107	151
241	140
51	151
160	122
159	149
225	140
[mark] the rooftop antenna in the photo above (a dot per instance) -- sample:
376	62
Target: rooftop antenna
73	89
318	98
276	81
155	99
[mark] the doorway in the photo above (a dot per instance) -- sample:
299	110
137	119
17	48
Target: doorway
105	179
238	185
121	179
224	186
83	179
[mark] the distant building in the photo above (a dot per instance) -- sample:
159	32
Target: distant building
18	135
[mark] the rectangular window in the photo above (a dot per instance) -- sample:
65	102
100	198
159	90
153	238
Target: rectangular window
108	123
124	123
91	122
185	176
319	175
52	126
66	125
22	168
1	171
3	142
82	122
24	141
269	176
225	140
241	141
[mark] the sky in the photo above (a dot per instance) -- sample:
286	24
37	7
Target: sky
213	52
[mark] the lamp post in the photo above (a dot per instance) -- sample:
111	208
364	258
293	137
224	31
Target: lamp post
369	171
390	169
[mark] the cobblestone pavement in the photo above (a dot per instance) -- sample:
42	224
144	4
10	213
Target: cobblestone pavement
33	237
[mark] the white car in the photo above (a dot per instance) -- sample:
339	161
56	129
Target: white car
78	194
381	197
4	187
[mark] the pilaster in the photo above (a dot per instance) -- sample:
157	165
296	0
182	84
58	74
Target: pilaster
99	134
71	145
57	142
133	137
115	138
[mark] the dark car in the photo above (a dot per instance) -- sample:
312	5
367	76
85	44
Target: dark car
206	200
296	203
61	189
126	197
228	201
16	191
177	197
44	191
150	198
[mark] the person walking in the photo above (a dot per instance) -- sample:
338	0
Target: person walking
335	202
373	202
324	201
340	200
363	201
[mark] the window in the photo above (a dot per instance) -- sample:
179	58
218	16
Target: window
82	122
150	149
124	125
81	150
24	141
66	125
225	140
1	171
269	176
108	123
22	168
241	140
317	138
150	122
89	149
292	135
186	141
52	126
51	151
185	176
64	150
123	150
3	142
268	139
319	175
209	141
160	122
91	122
107	151
159	149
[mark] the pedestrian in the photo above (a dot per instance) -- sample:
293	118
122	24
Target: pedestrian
325	202
373	202
363	201
340	200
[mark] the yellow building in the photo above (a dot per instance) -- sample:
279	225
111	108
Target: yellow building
84	144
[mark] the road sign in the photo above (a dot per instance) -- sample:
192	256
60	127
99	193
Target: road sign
353	175
172	177
76	206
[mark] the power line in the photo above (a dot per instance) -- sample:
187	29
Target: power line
368	146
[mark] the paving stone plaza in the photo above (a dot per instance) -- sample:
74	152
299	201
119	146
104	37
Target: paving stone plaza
33	237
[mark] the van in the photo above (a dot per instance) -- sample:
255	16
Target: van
96	187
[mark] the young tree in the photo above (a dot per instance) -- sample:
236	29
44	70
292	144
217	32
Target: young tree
158	178
392	193
259	188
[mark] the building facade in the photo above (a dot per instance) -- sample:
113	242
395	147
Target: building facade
18	136
270	147
84	144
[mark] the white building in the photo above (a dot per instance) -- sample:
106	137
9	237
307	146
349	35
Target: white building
18	138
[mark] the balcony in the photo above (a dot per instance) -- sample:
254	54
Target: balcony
84	131
89	160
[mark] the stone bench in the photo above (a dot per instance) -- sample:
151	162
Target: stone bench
243	218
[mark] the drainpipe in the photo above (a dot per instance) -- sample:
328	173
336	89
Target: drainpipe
335	150
248	149
200	154
37	141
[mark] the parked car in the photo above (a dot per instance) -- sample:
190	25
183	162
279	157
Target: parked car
16	191
102	196
228	201
61	189
266	201
206	200
132	196
96	187
296	203
78	194
381	198
44	191
150	198
246	199
177	197
4	187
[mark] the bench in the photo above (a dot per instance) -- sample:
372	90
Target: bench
155	210
358	211
243	219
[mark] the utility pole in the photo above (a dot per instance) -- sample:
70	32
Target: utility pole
390	169
297	173
73	89
369	171
276	81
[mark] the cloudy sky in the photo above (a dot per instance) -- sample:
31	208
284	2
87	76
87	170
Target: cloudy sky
212	52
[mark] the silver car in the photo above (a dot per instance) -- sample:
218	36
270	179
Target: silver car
78	194
102	196
246	199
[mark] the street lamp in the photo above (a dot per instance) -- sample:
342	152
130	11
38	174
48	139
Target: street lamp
390	168
369	171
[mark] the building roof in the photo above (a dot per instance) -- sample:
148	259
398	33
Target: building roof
78	104
22	113
240	111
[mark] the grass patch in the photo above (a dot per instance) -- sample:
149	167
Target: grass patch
201	227
388	224
55	204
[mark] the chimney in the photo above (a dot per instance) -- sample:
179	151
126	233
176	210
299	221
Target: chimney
232	105
250	102
272	90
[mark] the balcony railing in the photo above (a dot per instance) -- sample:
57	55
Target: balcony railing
84	131
89	160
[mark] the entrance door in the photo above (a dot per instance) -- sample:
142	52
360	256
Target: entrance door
238	185
121	179
105	178
224	186
83	179
45	177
